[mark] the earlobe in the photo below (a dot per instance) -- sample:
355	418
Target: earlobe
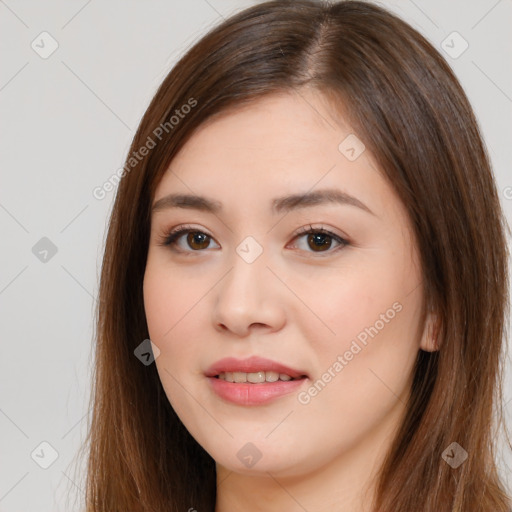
430	338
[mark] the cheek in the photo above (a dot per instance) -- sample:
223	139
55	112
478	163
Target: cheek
168	299
175	309
343	304
358	386
169	310
370	319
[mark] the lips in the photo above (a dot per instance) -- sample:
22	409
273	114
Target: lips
252	365
253	393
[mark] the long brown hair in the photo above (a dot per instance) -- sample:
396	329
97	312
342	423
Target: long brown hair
405	104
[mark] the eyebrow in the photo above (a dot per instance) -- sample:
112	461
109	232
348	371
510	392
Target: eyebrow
278	205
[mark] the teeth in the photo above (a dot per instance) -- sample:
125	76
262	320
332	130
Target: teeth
254	378
239	377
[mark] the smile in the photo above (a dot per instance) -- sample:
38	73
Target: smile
254	377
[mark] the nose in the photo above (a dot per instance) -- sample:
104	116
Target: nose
250	298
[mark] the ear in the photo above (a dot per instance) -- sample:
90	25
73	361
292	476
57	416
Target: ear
430	338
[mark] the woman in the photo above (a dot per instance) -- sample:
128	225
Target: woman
304	285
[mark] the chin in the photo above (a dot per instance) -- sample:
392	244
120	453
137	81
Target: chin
248	459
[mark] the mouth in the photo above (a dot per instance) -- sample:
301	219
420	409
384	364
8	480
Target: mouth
255	370
259	377
253	381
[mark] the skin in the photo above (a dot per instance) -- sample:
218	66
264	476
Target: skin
293	304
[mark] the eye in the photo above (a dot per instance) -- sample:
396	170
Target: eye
320	239
196	240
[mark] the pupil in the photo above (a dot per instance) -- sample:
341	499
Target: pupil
198	238
319	237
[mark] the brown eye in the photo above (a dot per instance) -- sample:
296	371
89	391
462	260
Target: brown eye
319	241
194	241
197	240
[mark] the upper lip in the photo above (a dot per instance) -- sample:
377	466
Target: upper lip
251	365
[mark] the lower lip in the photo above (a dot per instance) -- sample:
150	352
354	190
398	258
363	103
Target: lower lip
253	394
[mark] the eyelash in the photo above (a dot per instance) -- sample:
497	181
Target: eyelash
170	238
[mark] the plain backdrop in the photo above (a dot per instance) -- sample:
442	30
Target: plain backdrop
75	79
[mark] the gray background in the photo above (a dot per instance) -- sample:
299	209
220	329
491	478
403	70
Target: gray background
66	124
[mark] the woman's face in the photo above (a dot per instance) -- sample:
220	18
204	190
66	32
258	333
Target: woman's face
245	282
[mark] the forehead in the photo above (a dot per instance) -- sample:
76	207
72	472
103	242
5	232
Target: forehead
281	126
282	144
